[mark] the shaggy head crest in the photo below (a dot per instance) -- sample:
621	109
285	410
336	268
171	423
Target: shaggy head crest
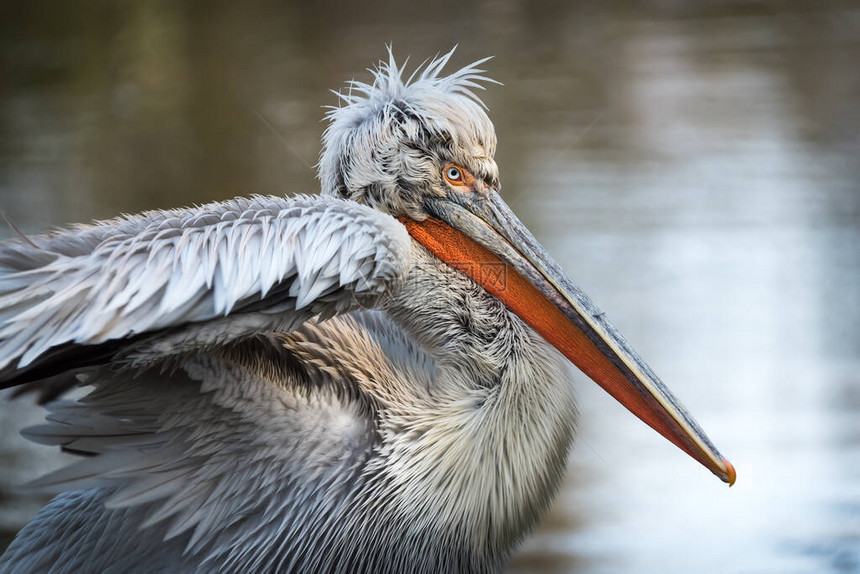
383	138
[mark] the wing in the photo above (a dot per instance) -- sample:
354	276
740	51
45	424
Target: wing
143	287
255	424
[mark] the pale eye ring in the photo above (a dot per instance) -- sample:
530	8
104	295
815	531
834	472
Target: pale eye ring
453	173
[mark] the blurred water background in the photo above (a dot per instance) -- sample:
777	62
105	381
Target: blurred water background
695	166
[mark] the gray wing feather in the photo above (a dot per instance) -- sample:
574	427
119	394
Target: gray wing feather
222	450
269	260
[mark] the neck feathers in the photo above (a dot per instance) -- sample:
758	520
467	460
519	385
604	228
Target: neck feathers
499	421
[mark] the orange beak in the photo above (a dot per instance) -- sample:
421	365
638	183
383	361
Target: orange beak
533	287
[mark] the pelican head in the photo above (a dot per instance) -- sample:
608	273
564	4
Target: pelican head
395	144
422	149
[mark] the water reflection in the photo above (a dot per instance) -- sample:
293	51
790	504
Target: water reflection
694	167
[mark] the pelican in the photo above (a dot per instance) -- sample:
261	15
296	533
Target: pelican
372	379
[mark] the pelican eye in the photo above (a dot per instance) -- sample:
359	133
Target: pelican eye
455	175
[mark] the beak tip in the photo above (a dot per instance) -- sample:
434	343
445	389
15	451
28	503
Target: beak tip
731	475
